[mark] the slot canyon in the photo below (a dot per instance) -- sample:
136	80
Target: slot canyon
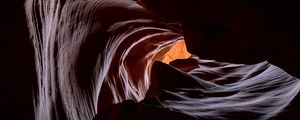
164	60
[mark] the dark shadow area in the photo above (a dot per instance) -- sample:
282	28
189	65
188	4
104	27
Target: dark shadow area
17	63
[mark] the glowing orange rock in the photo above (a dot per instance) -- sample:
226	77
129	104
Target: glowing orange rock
178	51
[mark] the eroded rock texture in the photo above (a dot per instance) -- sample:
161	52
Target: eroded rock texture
99	59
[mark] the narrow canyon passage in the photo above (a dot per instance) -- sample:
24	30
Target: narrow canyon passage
115	60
